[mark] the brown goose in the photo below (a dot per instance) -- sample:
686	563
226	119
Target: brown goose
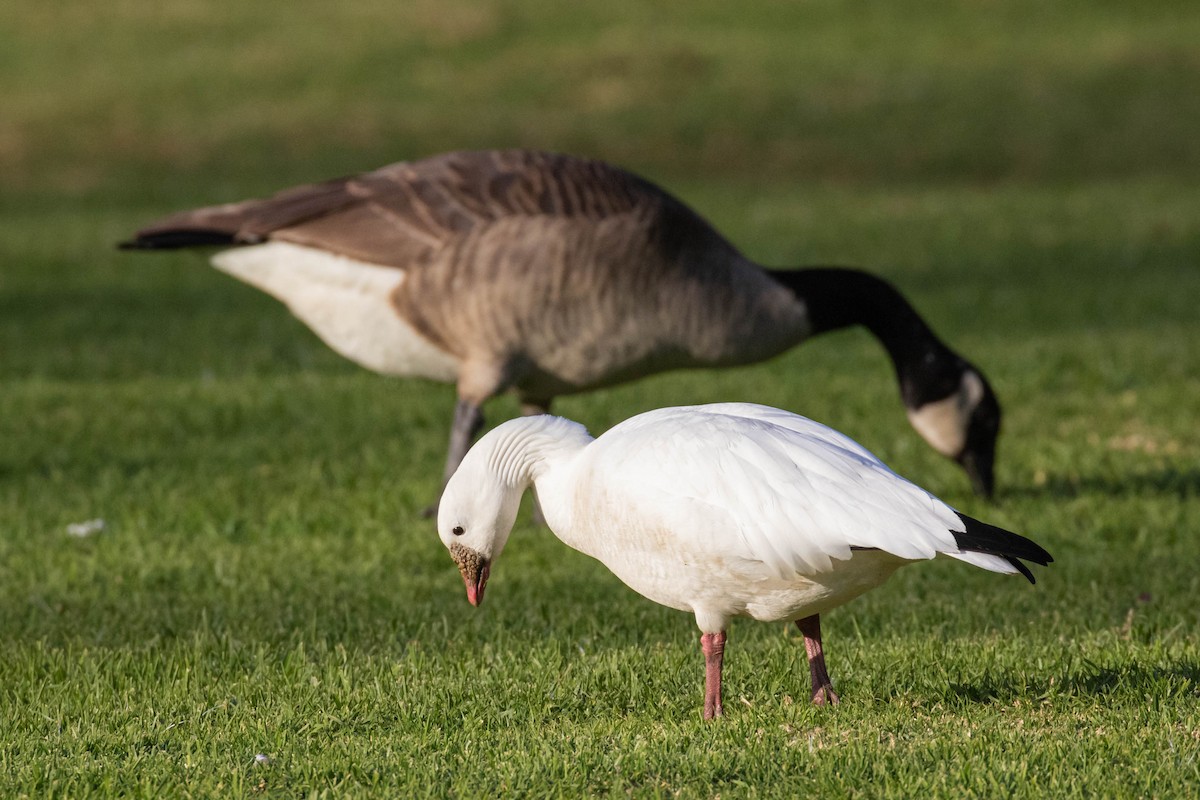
548	275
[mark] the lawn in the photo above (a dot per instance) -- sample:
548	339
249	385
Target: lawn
264	584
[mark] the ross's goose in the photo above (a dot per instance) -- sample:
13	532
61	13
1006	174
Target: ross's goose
722	510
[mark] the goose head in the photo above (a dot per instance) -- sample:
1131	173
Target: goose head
963	426
475	517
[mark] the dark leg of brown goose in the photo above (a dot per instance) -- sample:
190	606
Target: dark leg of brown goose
822	686
532	408
468	420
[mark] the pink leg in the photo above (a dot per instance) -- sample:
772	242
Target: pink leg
713	645
822	686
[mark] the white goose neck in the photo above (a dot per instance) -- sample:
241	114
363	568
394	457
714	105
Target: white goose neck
525	449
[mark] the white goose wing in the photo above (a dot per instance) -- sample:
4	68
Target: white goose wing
751	482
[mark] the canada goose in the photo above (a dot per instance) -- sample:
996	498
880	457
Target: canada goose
549	275
722	510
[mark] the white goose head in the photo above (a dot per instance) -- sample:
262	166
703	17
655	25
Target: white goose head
475	517
480	502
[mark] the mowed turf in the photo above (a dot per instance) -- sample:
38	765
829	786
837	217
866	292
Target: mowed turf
264	584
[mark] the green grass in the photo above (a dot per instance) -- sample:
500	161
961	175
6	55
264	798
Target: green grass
1025	171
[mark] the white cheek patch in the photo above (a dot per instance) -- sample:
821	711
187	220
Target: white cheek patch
345	302
943	423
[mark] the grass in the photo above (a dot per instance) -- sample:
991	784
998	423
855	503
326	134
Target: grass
264	585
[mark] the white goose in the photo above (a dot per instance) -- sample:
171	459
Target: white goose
722	510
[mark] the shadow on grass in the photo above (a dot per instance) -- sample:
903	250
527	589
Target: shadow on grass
1169	482
1177	679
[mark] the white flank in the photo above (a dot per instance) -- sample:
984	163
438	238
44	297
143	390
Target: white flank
345	302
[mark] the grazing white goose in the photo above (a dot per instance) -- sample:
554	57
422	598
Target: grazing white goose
551	275
722	510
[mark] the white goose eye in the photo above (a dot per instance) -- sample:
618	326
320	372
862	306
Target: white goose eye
458	530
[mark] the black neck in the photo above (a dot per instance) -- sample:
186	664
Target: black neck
838	298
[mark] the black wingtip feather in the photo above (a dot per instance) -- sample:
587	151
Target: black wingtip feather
1021	568
980	537
175	240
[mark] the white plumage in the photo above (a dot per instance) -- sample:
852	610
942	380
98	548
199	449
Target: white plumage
721	510
346	301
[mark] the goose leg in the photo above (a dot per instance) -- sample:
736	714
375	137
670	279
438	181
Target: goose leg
532	408
468	420
822	686
713	645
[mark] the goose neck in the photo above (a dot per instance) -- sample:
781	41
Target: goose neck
838	298
529	448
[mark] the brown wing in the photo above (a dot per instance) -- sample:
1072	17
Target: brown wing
402	214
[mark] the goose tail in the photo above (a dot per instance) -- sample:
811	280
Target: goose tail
996	549
176	239
246	222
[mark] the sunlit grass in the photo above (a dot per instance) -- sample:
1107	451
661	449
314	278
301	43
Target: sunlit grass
264	583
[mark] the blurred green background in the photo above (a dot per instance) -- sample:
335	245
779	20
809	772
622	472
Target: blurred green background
1025	171
851	93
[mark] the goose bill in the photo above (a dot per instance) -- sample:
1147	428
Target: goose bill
978	462
475	570
476	582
